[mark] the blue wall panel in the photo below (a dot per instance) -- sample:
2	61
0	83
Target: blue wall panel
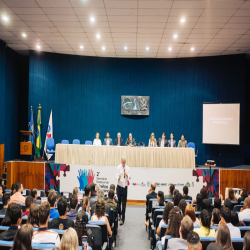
85	95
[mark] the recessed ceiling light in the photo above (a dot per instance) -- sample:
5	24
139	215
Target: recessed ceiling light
92	19
81	47
125	47
147	48
169	48
24	35
38	47
192	49
103	48
175	35
183	20
98	36
5	18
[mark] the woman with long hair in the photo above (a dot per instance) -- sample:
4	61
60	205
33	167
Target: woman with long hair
85	206
152	141
243	195
232	195
216	216
33	217
23	238
190	211
223	237
246	242
160	198
6	220
175	217
69	240
80	225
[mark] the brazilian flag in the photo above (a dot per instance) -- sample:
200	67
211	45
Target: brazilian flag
38	139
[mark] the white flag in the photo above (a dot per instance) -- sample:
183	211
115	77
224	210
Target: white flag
49	135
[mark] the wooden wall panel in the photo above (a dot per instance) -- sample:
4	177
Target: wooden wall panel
31	174
235	179
1	159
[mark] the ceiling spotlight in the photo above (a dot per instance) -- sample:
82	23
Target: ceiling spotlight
175	35
183	20
125	48
5	18
192	49
103	48
147	48
81	47
24	35
92	19
169	48
98	36
38	47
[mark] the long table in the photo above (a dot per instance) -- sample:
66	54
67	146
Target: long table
135	156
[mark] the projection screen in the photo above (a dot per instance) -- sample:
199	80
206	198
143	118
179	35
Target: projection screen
221	123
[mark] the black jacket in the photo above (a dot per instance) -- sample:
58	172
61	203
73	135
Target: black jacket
9	234
152	195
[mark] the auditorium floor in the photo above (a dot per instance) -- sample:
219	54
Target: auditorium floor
132	235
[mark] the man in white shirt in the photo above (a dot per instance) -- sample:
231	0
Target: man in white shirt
245	211
122	177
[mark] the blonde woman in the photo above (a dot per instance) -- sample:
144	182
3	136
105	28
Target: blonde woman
85	206
69	240
152	141
76	192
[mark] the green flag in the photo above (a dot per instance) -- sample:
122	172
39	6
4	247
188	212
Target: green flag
38	138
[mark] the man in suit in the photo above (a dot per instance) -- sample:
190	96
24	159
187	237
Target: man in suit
182	143
119	140
130	141
162	142
107	141
185	193
151	195
171	142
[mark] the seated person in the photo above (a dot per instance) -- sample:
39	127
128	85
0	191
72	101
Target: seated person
151	195
76	192
100	195
52	201
205	222
223	238
190	211
119	140
177	199
16	220
93	198
1	193
130	141
28	203
62	222
111	201
185	194
36	198
231	195
216	217
217	203
80	225
171	142
100	210
85	206
33	217
193	241
243	195
162	142
181	243
6	202
43	234
160	198
97	141
235	220
17	196
87	191
170	194
70	240
152	141
107	141
182	205
246	243
23	238
245	211
182	143
73	202
112	186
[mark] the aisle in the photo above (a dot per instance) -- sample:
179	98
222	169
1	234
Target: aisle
132	235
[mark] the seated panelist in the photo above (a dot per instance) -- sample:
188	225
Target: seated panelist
182	143
152	141
130	141
162	142
107	141
171	142
119	140
97	141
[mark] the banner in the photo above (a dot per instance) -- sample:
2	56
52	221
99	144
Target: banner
49	135
38	139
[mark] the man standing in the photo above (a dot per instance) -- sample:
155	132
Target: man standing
107	141
119	140
162	142
122	177
130	141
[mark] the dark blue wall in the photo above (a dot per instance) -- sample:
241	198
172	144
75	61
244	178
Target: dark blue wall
85	96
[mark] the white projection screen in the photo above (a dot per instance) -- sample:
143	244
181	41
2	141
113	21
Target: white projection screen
221	123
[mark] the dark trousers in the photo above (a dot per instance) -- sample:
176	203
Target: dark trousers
122	198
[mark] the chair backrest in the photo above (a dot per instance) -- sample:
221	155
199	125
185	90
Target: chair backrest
157	212
167	200
150	204
65	142
26	192
197	213
154	208
158	220
191	145
50	143
237	207
76	141
104	229
88	142
237	242
246	221
243	230
40	193
97	233
163	230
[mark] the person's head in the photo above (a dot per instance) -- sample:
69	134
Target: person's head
1	181
205	218
87	191
130	136
92	188
100	194
203	193
52	198
76	191
182	205
175	217
73	201
69	240
163	136
217	203
152	186
246	203
19	187
183	137
171	136
175	192
160	198
177	198
111	194
6	220
246	243
62	206
85	203
23	238
223	237
33	217
186	227
190	211
171	188
216	216
123	161
225	215
231	194
34	193
13	188
119	135
243	192
16	214
107	134
214	246
228	203
97	135
6	199
44	213
185	190
169	206
80	225
234	218
100	208
198	202
112	186
152	137
193	241
28	201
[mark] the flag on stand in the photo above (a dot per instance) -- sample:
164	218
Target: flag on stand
31	127
38	138
49	135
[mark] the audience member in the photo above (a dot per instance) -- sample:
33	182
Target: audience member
69	240
223	237
151	193
28	203
23	238
93	197
62	222
170	192
73	202
52	201
100	208
228	204
181	243
16	220
43	234
198	201
33	218
175	192
160	198
2	185
169	206
235	220
111	200
216	217
1	193
190	211
193	241
204	230
185	193
87	191
214	246
112	186
36	198
80	225
246	243
13	189
100	195
226	219
231	195
17	196
203	193
85	206
243	195
245	212
217	203
182	205
177	198
76	192
6	202
6	220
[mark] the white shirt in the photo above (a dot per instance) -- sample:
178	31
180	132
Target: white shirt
123	182
97	142
245	214
107	141
197	223
172	143
234	231
162	142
